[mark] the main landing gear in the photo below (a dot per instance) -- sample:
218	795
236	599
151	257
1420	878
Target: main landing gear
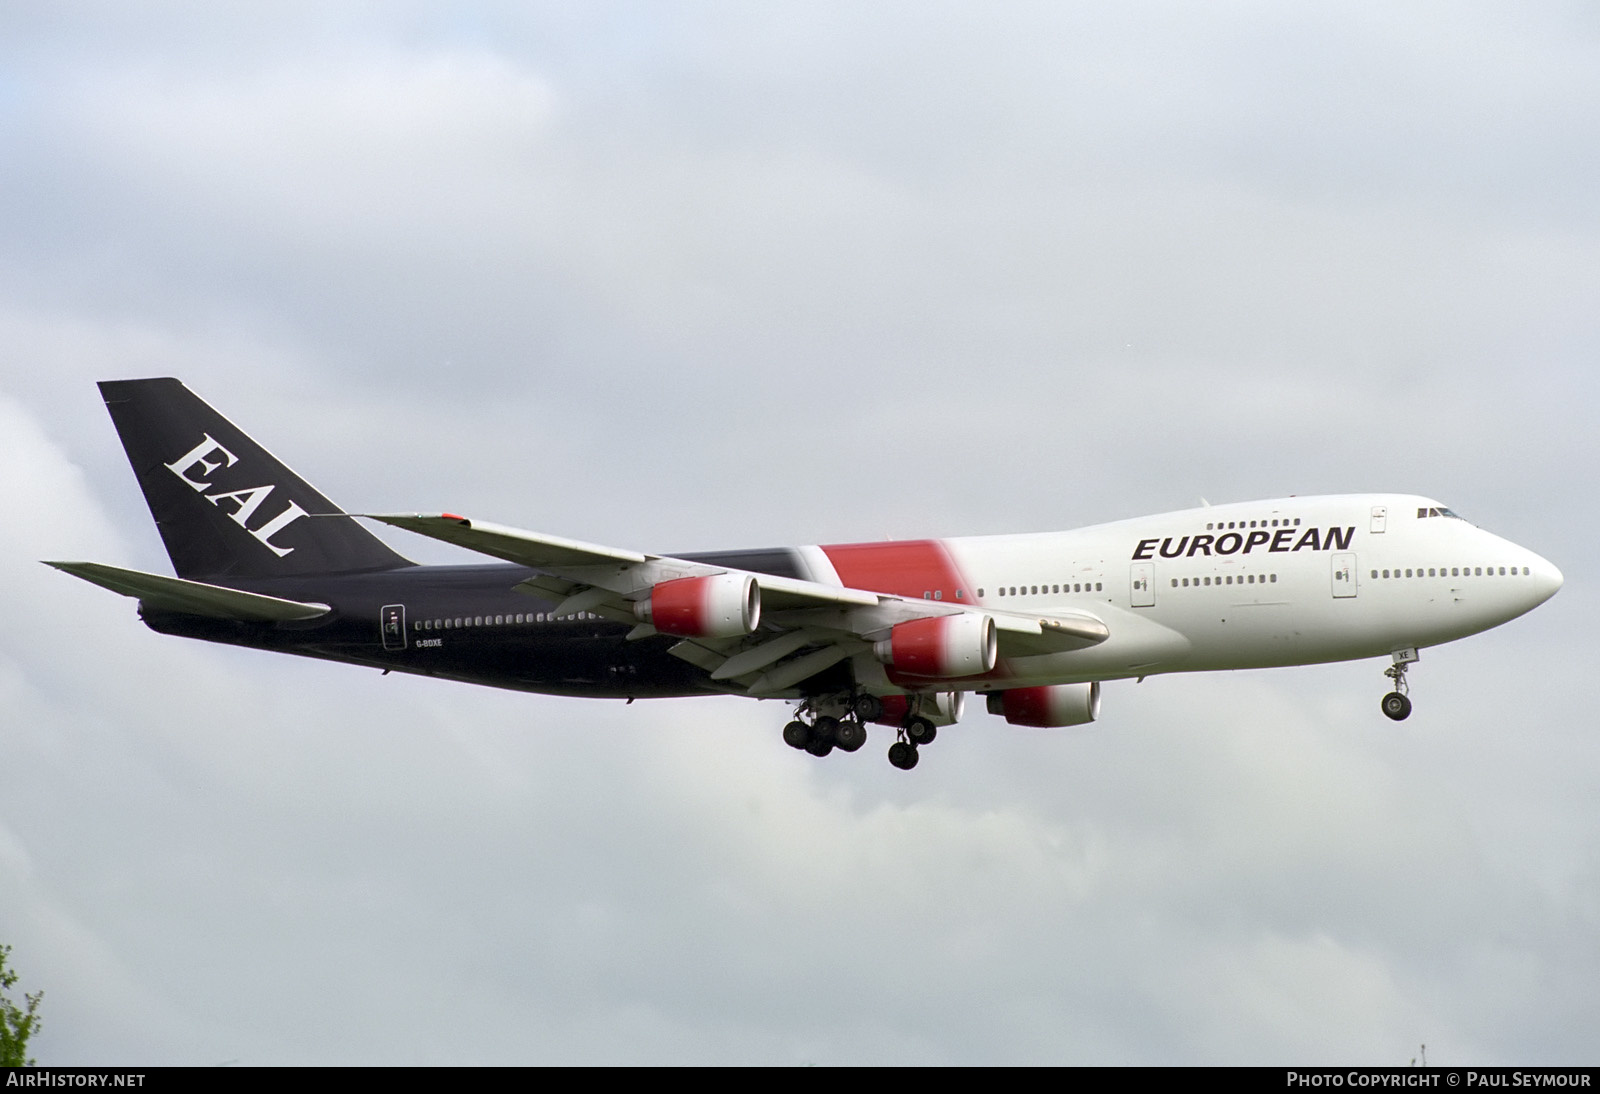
823	724
916	731
1397	704
820	726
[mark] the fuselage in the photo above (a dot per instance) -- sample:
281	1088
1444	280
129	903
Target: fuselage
1255	584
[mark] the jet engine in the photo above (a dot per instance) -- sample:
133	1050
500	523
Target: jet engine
943	646
945	707
1049	706
718	606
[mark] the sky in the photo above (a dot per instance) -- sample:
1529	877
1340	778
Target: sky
686	276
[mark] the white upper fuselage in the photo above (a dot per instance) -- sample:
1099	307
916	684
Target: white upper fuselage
1284	582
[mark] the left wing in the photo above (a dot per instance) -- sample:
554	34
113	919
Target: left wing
756	633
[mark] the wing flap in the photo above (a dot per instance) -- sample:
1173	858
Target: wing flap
176	594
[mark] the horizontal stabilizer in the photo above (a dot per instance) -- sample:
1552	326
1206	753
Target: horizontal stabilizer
175	594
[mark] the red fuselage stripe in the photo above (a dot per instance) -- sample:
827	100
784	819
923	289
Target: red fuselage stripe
912	568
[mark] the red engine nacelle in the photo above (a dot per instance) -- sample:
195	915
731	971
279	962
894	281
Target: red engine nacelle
719	606
943	646
1049	706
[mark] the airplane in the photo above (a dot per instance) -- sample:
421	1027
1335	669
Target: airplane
895	633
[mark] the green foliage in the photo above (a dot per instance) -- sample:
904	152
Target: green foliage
16	1024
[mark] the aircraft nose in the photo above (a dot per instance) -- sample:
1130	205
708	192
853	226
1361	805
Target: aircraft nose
1547	579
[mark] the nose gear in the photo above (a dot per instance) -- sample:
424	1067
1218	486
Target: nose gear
1397	705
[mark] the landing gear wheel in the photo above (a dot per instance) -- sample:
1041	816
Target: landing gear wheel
1396	706
903	755
850	736
824	735
867	708
797	734
820	746
920	731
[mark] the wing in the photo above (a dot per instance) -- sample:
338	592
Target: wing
798	628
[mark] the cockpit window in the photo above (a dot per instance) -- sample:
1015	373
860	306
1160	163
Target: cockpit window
1436	511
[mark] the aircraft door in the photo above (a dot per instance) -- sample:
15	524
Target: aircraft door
1143	591
392	623
1344	575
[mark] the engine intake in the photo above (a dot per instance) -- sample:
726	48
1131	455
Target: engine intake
943	646
718	606
1049	706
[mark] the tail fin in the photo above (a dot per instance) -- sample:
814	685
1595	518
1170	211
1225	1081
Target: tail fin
224	505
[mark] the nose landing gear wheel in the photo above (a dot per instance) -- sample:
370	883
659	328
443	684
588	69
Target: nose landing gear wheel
1396	706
